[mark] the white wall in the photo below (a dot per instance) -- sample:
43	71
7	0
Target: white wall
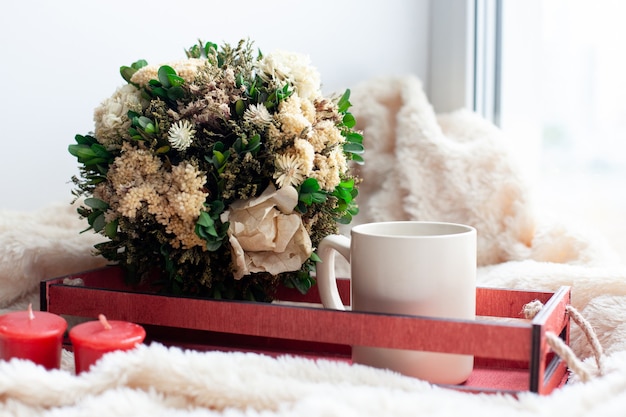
59	60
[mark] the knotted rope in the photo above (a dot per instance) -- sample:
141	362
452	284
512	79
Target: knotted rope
561	348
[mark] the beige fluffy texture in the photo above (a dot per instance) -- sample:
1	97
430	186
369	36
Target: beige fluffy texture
41	244
455	168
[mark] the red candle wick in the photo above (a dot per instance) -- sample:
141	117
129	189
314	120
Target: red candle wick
31	315
104	322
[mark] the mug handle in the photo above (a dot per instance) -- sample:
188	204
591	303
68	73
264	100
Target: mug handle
325	269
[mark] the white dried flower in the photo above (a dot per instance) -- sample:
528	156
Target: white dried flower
289	170
296	69
181	135
111	121
258	115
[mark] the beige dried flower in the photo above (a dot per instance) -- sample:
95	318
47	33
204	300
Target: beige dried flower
187	69
292	120
305	154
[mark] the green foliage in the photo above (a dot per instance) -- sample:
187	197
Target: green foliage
142	128
210	228
302	281
345	193
202	50
276	96
96	217
168	87
353	146
94	157
245	145
127	72
219	158
309	193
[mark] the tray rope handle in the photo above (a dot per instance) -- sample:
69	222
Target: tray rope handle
561	348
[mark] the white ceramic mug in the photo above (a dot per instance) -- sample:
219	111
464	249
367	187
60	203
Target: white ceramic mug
406	267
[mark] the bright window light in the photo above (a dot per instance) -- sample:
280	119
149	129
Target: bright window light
564	89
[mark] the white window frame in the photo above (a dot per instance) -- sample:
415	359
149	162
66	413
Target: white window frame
464	57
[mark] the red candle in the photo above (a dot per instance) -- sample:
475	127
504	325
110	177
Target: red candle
91	340
33	335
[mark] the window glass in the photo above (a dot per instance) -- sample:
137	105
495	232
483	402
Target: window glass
564	75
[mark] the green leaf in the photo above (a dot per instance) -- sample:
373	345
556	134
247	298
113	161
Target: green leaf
349	121
175	80
127	73
110	230
306	199
357	159
243	145
82	152
318	197
94	161
150	128
74	149
216	207
345	219
354	137
175	93
143	121
309	185
343	194
159	92
353	147
240	107
219	157
96	204
139	64
239	80
302	282
344	102
100	150
210	46
164	73
214	245
194	52
204	219
254	143
84	140
347	183
99	223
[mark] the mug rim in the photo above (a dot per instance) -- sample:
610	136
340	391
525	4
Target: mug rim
462	229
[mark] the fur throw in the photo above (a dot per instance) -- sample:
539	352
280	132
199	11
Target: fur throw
458	168
41	244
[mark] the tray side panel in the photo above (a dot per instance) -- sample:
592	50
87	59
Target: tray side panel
490	339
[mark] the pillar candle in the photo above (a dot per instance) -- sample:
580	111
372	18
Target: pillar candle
91	340
33	335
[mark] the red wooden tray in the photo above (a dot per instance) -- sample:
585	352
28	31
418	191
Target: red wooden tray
511	353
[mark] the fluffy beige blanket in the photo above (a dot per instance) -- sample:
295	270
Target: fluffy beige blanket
454	167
